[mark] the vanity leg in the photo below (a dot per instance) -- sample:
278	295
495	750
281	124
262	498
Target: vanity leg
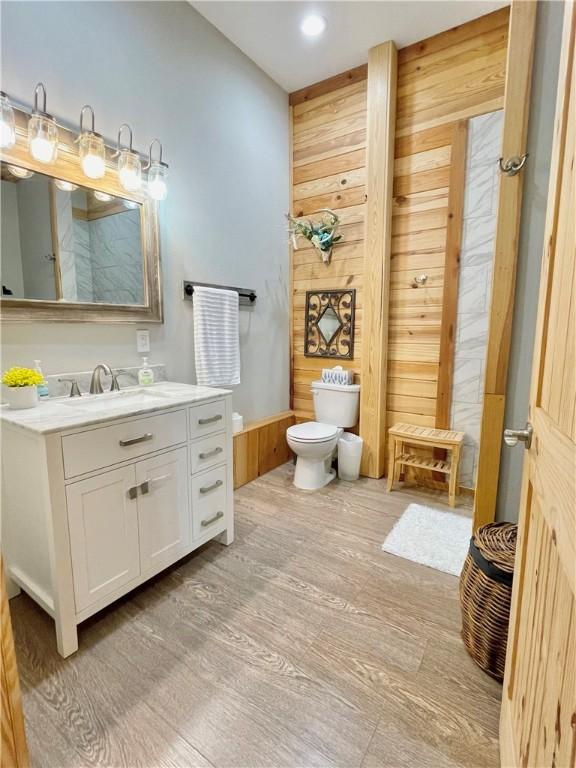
227	536
66	637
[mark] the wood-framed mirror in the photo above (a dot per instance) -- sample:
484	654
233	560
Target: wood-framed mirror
74	249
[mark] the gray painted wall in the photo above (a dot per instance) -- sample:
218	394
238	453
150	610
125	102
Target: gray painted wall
164	69
542	108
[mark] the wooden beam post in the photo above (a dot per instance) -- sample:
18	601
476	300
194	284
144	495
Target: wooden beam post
456	187
516	111
381	120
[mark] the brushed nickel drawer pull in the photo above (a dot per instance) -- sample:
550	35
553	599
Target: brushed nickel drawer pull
210	420
142	439
209	454
208	488
133	492
211	520
144	487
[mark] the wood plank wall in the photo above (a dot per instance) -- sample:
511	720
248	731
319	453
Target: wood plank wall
442	82
328	171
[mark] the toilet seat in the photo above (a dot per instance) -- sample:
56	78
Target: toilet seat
312	432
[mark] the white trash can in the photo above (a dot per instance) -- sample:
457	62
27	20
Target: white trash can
349	455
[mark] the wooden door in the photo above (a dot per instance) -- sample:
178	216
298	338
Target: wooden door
538	721
163	509
103	523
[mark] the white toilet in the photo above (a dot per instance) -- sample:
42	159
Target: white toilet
314	442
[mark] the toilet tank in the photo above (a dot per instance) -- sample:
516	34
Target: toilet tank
336	404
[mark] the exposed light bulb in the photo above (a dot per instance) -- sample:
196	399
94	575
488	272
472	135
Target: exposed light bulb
42	149
313	25
7	124
130	179
65	186
93	166
19	172
42	131
157	174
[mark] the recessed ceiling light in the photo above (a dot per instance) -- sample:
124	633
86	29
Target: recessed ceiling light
313	25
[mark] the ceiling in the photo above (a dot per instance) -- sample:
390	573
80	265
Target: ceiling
269	32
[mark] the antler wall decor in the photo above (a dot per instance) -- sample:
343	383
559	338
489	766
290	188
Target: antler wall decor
322	233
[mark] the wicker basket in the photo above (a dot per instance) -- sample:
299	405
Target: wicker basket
485	591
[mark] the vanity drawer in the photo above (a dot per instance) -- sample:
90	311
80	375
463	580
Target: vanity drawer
207	452
207	418
104	446
209	502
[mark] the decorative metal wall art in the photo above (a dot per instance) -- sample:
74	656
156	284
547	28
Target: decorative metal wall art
330	324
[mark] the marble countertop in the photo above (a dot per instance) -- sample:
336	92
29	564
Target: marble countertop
60	414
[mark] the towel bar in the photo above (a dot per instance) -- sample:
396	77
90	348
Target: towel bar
247	295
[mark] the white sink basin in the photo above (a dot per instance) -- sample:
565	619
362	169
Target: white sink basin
111	400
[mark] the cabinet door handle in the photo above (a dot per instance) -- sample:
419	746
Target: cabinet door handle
210	419
144	487
211	520
208	488
142	439
133	492
209	454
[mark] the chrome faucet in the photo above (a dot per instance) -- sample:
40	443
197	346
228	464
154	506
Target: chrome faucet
96	382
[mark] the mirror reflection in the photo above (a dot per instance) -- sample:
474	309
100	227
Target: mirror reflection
62	242
329	324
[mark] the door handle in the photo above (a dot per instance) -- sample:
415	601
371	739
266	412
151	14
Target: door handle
211	520
142	439
209	420
512	436
209	454
208	488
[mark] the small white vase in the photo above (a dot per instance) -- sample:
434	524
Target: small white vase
21	397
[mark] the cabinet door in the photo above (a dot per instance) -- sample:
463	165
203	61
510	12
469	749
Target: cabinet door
103	524
163	509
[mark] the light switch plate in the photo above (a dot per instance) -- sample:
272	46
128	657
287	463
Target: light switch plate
143	341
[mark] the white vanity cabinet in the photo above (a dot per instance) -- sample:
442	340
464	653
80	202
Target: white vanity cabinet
91	512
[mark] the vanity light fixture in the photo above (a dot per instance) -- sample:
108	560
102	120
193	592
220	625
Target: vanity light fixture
129	165
7	124
313	25
19	172
157	174
104	197
42	131
65	186
92	150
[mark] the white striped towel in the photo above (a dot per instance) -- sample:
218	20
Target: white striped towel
216	337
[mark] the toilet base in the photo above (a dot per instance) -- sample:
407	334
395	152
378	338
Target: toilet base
310	474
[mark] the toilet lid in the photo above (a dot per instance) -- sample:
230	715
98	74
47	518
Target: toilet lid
313	431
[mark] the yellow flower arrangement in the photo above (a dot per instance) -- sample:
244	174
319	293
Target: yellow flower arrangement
22	377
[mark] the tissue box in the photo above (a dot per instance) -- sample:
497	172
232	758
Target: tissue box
337	375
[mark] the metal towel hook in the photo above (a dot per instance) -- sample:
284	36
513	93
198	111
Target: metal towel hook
513	165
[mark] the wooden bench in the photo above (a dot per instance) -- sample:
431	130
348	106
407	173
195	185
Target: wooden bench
402	436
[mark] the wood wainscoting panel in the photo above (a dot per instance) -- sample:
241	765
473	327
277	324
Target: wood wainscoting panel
261	447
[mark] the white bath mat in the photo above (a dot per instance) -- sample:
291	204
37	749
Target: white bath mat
431	537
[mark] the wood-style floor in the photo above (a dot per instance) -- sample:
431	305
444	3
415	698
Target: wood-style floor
303	644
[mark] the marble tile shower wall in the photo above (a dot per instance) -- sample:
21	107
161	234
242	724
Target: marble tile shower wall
117	258
101	259
477	256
